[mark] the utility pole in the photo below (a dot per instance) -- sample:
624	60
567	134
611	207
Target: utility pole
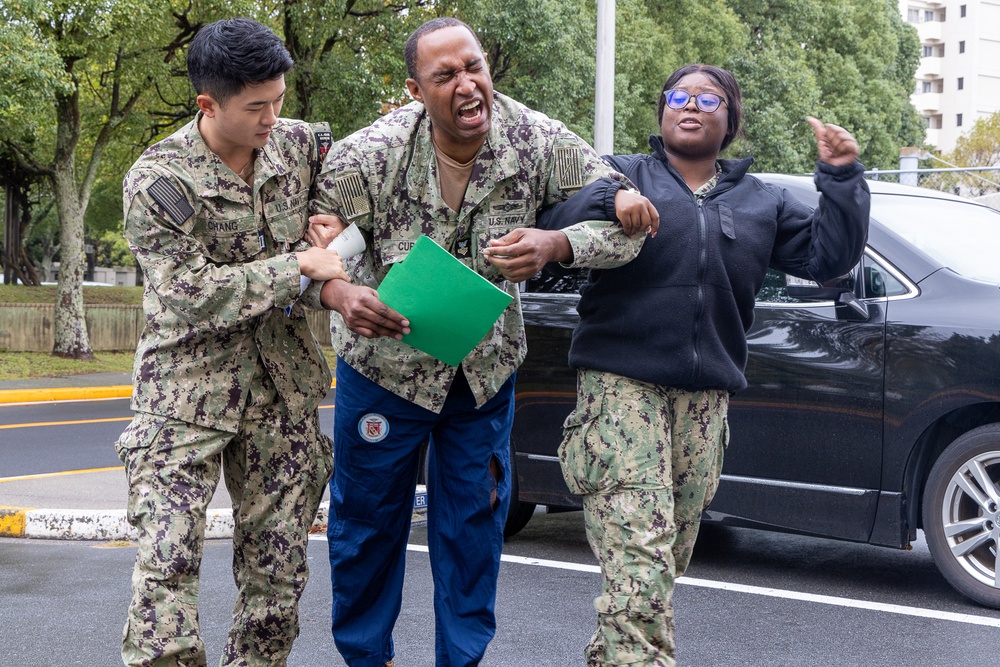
604	94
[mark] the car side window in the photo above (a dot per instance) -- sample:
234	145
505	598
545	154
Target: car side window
553	279
775	289
878	281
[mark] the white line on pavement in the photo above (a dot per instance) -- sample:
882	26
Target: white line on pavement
769	592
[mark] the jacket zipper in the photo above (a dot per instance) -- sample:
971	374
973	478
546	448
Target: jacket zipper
700	307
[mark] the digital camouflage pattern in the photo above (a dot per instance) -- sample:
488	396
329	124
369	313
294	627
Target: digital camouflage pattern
647	461
224	380
384	178
216	255
173	469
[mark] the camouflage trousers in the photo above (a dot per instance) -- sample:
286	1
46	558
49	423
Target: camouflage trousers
647	461
275	472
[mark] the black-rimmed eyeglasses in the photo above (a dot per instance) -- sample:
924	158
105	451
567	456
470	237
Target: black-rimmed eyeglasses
707	102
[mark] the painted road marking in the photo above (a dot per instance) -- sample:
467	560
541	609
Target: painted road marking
919	612
67	423
43	475
90	421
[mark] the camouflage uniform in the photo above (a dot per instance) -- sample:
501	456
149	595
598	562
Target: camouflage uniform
647	460
225	381
385	179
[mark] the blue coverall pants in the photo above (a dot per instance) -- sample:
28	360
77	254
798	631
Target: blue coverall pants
377	439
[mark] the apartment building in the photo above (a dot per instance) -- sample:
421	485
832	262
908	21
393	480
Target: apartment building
958	80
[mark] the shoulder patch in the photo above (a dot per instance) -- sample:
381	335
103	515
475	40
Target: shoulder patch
353	197
569	171
324	139
170	199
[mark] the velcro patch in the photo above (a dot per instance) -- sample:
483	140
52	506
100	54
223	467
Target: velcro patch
353	195
324	140
170	199
568	167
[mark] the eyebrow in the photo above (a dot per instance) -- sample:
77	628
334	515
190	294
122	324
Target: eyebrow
256	102
451	70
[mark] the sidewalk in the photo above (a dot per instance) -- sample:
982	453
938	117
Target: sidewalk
90	504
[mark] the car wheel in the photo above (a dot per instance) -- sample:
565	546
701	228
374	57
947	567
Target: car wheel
961	514
519	513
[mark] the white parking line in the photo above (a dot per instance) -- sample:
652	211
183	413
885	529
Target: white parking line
769	592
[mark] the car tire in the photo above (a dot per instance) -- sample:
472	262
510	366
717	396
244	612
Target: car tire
519	513
961	514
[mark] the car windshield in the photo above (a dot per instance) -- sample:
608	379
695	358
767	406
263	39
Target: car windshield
965	237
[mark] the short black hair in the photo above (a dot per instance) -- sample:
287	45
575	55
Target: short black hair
410	48
228	55
730	90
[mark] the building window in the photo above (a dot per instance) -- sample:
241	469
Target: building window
958	120
928	51
961	46
927	87
928	15
961	83
912	15
961	11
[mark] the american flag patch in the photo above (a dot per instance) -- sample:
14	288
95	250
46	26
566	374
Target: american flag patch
353	196
568	169
170	199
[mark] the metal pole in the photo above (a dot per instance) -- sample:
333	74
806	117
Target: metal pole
909	158
604	96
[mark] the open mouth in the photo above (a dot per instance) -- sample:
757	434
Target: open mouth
471	112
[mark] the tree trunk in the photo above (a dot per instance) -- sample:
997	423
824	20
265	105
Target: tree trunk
69	323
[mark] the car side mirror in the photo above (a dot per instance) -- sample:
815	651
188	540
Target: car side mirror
839	290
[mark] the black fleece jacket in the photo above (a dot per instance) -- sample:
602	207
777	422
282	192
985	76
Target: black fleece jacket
678	314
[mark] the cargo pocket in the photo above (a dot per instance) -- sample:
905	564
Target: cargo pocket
581	440
135	447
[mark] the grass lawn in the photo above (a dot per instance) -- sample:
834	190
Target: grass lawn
26	365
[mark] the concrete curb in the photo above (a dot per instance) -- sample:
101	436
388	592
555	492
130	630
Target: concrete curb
64	394
112	525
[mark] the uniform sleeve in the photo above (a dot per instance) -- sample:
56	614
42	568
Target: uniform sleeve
159	219
597	239
827	242
322	140
342	186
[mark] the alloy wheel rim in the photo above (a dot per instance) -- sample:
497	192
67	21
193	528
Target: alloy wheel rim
970	515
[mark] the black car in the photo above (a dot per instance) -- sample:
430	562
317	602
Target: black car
874	405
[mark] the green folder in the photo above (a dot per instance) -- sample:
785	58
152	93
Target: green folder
450	307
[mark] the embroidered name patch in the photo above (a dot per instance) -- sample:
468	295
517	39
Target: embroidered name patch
373	427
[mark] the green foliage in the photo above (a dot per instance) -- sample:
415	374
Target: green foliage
980	147
848	62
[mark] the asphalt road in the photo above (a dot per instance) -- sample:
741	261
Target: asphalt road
750	597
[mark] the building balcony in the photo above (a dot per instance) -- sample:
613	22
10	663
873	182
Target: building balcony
930	31
930	68
927	104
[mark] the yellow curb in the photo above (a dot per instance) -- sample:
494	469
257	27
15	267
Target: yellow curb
71	393
64	393
12	521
